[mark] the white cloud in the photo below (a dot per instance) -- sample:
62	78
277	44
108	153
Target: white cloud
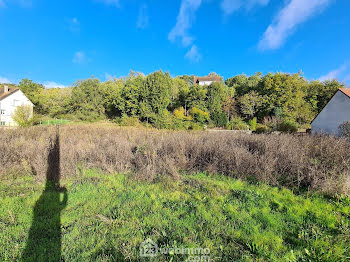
293	14
4	80
51	84
73	24
336	74
230	6
193	54
109	77
79	57
184	21
143	19
110	2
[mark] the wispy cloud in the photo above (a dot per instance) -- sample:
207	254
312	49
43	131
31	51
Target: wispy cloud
79	57
184	22
21	3
109	77
115	3
339	73
230	6
4	80
51	84
193	54
73	24
293	14
143	19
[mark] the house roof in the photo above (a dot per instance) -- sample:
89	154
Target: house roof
345	91
206	78
11	91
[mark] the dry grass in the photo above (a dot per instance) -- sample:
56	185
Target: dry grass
318	163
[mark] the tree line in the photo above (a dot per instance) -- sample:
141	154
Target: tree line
259	102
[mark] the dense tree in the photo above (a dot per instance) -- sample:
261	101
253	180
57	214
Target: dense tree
87	101
156	93
32	91
167	102
250	104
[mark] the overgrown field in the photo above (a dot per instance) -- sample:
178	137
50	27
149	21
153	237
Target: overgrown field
296	162
100	217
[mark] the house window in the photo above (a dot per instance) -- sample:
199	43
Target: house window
2	111
2	123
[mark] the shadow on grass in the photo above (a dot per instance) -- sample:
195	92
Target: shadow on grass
44	240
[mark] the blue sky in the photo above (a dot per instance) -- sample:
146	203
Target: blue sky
59	42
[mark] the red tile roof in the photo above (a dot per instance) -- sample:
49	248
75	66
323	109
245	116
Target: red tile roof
197	79
346	91
11	91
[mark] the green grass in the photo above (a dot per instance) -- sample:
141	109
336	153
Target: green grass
108	216
51	122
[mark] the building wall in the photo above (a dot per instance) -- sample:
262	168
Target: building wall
9	104
205	83
336	112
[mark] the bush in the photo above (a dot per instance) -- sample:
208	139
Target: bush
179	113
237	124
199	115
219	119
252	124
288	126
127	121
260	129
164	120
344	129
304	162
195	126
23	116
272	122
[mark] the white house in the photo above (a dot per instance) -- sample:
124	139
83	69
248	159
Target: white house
10	98
206	80
336	112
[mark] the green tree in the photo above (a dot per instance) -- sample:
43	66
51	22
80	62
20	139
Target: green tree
250	104
87	101
217	91
156	92
197	97
23	115
111	92
32	90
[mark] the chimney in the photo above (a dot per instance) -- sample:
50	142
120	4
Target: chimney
6	89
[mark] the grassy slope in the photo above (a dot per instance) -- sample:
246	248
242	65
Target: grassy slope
108	216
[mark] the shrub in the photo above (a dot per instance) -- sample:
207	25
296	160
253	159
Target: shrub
195	126
252	124
272	122
260	129
128	121
288	126
219	119
23	115
164	120
199	115
237	124
297	162
344	129
179	113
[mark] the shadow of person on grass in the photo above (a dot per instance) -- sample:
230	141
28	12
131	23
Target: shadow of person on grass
44	239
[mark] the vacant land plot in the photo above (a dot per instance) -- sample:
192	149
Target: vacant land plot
299	163
101	217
